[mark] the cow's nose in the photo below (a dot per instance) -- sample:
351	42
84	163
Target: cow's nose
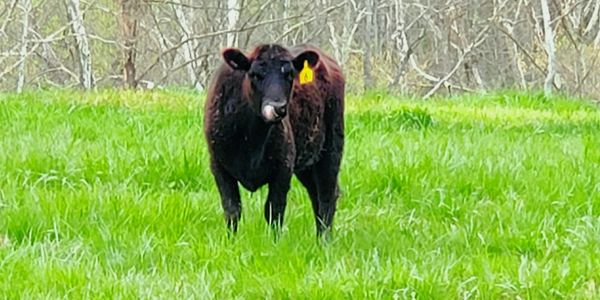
280	105
280	110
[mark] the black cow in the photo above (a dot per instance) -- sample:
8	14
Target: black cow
262	125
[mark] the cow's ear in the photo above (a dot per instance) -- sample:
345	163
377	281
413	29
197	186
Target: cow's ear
236	59
309	56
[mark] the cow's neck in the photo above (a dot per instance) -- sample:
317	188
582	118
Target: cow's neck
255	131
256	135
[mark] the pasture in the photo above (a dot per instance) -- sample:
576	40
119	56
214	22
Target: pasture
108	194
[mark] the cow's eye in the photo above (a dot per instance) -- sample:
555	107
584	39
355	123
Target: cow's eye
286	70
257	75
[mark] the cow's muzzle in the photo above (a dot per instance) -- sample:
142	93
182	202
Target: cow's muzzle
273	111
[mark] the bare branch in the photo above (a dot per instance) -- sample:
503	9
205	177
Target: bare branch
11	10
478	41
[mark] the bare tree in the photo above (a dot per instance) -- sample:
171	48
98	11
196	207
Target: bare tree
549	47
509	25
129	33
25	8
86	76
188	47
343	35
368	40
232	18
425	47
595	15
9	11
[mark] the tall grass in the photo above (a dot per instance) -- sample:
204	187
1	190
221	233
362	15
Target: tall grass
108	195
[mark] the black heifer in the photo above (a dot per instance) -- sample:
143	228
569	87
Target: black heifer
262	125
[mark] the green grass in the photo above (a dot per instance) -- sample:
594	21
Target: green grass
108	195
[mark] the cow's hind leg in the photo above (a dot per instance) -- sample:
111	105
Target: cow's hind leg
326	175
230	196
307	178
327	168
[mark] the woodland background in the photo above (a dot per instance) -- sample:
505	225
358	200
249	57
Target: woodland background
420	47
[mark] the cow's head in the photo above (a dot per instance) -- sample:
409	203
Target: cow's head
269	73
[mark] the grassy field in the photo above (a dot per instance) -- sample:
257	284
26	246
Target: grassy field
108	195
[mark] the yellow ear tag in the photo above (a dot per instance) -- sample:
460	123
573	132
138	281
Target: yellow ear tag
306	74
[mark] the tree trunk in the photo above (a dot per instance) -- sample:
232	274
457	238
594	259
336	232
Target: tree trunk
128	35
400	40
286	8
25	7
188	48
515	48
86	77
368	79
232	18
550	48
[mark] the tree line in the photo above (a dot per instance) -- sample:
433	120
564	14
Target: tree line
421	47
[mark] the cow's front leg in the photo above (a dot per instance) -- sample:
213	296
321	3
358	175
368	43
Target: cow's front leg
230	196
277	199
